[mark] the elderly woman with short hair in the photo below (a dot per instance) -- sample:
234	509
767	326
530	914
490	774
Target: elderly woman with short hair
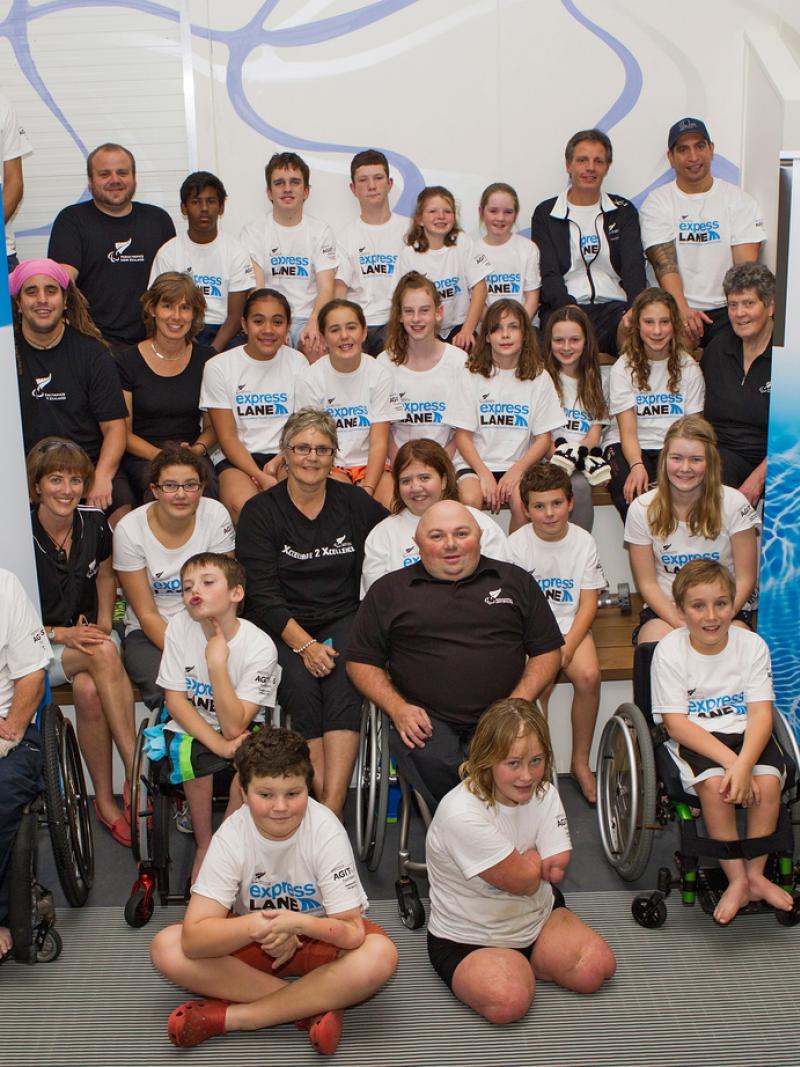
302	545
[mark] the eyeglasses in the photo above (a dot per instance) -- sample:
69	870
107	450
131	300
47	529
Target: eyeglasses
323	451
58	442
173	487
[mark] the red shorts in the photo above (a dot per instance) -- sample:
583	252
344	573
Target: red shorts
309	956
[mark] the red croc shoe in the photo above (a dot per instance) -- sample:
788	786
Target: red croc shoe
324	1031
196	1021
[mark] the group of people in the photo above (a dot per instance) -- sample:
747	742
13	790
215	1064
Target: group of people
190	398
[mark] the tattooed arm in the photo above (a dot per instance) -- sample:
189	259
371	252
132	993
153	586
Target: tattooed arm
664	258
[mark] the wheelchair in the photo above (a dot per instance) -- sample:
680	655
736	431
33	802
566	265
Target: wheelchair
639	792
376	774
153	799
63	806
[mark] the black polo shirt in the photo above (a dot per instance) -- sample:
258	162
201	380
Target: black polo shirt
454	647
738	406
68	590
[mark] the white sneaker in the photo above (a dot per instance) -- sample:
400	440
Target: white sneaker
183	819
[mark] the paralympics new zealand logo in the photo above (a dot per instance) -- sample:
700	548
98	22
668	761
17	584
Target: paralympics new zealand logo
117	254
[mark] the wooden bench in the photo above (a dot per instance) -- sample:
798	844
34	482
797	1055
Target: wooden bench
612	635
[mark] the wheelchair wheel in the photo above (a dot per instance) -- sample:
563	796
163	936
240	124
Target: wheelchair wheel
626	792
649	910
412	911
139	906
372	786
49	947
67	805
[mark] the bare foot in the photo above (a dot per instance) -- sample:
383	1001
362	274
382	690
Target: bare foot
199	856
736	896
6	941
586	780
762	888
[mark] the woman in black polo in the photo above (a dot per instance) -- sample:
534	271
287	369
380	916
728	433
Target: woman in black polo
302	545
77	589
737	367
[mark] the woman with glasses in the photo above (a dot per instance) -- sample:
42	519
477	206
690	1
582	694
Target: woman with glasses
302	546
77	589
161	378
150	546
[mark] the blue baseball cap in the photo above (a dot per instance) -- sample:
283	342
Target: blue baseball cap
687	125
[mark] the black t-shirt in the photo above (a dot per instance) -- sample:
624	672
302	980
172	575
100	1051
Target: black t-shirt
304	569
165	408
113	257
454	648
66	391
738	406
68	590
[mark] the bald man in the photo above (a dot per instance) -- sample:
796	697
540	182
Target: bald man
436	643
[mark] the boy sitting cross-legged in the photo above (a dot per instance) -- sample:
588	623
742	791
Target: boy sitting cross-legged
563	559
278	896
712	689
218	672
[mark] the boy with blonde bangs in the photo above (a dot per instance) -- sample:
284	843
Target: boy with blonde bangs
218	673
278	897
563	559
712	689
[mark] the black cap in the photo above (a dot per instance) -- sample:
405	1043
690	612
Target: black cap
687	125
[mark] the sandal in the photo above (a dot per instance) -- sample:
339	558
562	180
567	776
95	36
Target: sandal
196	1021
120	829
324	1031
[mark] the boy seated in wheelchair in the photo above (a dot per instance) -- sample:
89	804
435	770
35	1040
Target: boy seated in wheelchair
218	672
712	689
563	559
278	896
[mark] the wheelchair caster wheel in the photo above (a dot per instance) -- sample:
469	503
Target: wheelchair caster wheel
649	910
49	946
789	918
139	907
412	913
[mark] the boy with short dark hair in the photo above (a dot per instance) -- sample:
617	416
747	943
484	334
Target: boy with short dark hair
278	896
563	560
369	248
712	689
293	252
219	264
218	672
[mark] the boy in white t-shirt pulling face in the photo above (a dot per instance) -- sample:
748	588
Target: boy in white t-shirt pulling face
713	693
278	896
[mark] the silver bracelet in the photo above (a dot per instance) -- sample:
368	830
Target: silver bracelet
302	648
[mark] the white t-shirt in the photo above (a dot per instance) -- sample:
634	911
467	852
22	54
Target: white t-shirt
466	837
589	253
680	547
505	414
290	257
260	393
577	420
137	548
354	400
656	408
515	268
390	545
220	267
432	400
368	258
24	648
314	871
561	568
713	691
14	144
454	270
252	667
704	227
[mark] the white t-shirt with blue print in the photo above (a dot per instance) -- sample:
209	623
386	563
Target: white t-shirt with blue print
454	270
432	400
313	871
577	420
515	269
217	268
368	256
656	407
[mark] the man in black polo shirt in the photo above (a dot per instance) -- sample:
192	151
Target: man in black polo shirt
108	244
436	643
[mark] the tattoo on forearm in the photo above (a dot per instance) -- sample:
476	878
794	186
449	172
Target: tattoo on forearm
664	258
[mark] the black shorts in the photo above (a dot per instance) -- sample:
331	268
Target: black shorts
259	458
694	767
497	475
647	614
445	955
